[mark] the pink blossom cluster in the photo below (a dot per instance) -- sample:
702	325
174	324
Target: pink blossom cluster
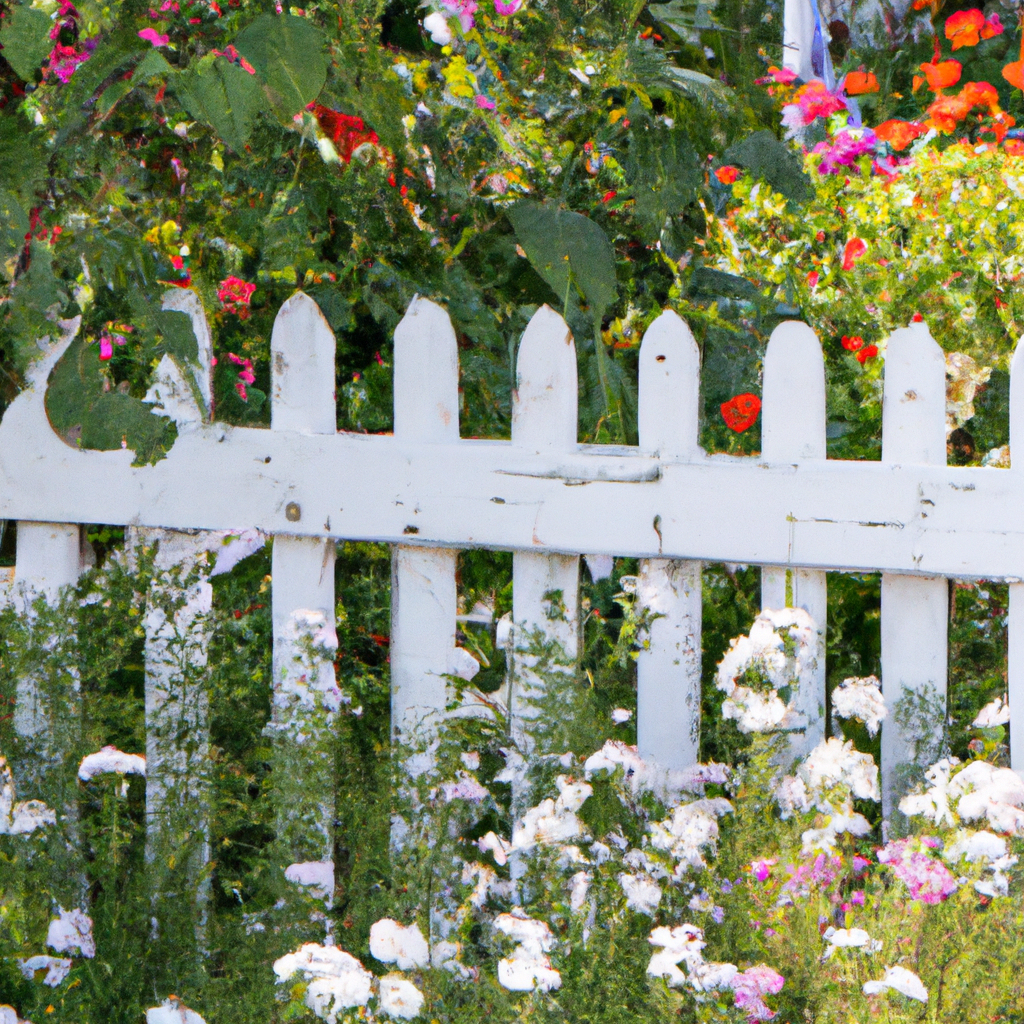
65	57
811	101
245	375
235	295
845	150
463	10
928	879
751	986
822	871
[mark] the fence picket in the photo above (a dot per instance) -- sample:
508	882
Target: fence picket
1015	626
668	668
424	600
545	588
793	429
915	610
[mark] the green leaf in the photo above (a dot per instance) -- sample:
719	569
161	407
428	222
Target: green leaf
560	243
14	225
288	54
36	300
26	40
698	87
766	157
154	63
85	414
222	95
664	172
687	18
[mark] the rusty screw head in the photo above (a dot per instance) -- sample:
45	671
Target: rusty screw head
293	512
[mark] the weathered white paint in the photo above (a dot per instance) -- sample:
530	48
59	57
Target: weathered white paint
668	668
915	611
185	300
793	430
302	350
424	601
544	406
1015	626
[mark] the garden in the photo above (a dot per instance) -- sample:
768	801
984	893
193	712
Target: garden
440	760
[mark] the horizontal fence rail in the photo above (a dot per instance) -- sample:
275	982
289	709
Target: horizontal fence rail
549	499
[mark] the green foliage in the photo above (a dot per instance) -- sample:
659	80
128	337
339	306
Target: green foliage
25	38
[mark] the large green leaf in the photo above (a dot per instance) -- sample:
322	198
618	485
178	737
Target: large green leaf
222	95
14	225
664	172
26	40
561	244
288	54
687	18
766	157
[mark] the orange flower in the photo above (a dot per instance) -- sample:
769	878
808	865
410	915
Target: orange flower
855	248
964	28
1014	74
1001	124
727	174
1014	147
899	134
992	27
942	75
981	94
947	112
859	83
917	83
867	353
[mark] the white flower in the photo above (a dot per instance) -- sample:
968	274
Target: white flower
616	754
833	763
528	973
328	153
400	998
986	791
900	980
860	698
754	711
471	759
533	935
486	880
690	829
436	24
643	894
792	797
56	969
933	803
326	996
318	875
683	942
711	977
173	1011
392	943
110	759
553	821
571	795
974	846
579	886
71	931
848	938
498	847
29	815
995	713
620	715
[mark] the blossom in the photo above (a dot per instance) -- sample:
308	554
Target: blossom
740	412
71	931
995	713
761	869
859	83
621	715
684	942
346	131
317	875
964	28
552	821
981	94
845	149
507	9
643	894
56	969
814	100
234	293
849	938
778	76
947	112
399	997
688	831
392	943
579	887
860	698
750	986
172	1011
463	9
150	35
942	74
833	763
64	60
727	174
853	251
110	759
928	880
985	791
1014	74
965	376
852	342
899	134
899	979
869	352
528	968
484	102
498	847
435	25
337	980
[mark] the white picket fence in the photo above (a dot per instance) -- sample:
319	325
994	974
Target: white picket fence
428	492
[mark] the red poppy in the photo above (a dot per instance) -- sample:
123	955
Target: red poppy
346	131
812	279
855	248
947	112
866	353
853	342
740	412
943	74
917	318
727	174
859	83
964	28
899	134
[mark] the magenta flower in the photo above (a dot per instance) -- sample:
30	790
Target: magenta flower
507	9
484	103
846	149
761	869
464	10
106	348
64	60
750	986
150	35
928	879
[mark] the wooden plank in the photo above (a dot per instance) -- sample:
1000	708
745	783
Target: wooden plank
793	430
545	588
668	668
828	514
424	599
915	611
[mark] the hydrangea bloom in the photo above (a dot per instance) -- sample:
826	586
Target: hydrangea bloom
528	968
399	998
860	698
70	932
751	986
643	894
690	829
393	943
337	980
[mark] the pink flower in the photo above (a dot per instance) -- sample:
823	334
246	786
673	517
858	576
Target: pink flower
507	9
928	879
859	864
106	348
857	898
484	103
150	35
64	60
761	869
465	9
235	294
751	985
242	394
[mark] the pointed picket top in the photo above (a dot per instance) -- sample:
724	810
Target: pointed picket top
302	349
914	398
185	300
426	375
544	406
1017	405
793	395
669	387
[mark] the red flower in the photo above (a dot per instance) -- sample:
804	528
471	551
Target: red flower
812	279
346	131
964	28
992	27
917	318
740	412
853	342
899	134
855	248
859	83
869	352
234	292
609	196
727	174
942	75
